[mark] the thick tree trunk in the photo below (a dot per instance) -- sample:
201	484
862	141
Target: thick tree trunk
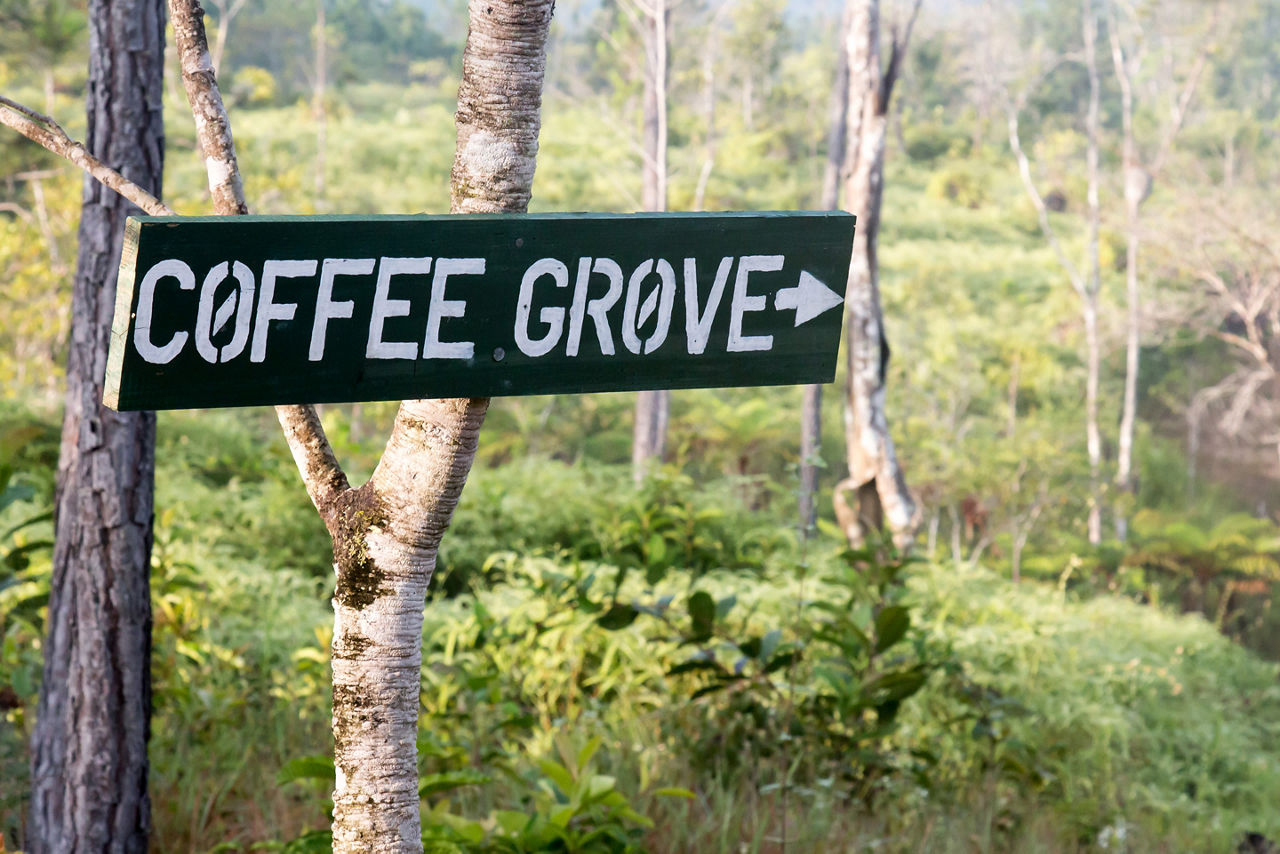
874	472
89	748
653	408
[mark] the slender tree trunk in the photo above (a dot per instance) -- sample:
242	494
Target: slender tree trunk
1093	282
710	51
874	472
317	100
811	408
653	408
89	747
1136	186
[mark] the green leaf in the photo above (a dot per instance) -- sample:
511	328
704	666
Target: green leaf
780	661
512	822
558	773
702	613
895	685
307	768
674	792
587	752
656	550
314	842
891	625
432	784
769	644
617	617
694	664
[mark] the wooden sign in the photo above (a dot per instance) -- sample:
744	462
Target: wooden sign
238	311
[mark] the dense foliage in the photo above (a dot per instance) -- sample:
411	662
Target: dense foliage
673	667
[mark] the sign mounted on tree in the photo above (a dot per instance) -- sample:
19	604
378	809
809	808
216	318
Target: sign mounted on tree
240	311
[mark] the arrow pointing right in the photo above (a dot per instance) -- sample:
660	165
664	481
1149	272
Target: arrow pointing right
809	298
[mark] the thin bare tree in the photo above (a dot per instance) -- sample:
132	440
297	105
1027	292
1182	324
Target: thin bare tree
649	18
1087	282
811	404
875	479
227	12
1139	176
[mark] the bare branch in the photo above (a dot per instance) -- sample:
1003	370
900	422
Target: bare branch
47	133
1024	169
897	49
213	127
18	211
321	473
1183	104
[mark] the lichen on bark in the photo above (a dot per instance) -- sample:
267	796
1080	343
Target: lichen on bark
350	519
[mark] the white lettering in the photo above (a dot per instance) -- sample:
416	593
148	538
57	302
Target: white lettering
597	309
146	298
433	347
384	307
552	316
748	264
239	302
268	309
327	308
697	325
660	299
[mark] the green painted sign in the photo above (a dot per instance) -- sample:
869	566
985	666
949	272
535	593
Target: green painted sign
239	311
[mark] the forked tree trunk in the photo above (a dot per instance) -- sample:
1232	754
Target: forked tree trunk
386	533
875	477
89	748
387	536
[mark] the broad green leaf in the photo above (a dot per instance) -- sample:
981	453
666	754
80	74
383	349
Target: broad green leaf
307	768
674	792
617	617
432	784
891	624
702	614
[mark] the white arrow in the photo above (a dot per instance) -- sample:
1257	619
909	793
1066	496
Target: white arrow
810	298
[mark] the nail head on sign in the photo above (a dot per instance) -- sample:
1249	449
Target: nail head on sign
519	242
499	354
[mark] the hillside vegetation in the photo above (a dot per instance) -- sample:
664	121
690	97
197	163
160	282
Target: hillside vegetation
674	667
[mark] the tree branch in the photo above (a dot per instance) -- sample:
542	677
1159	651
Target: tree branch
1024	170
897	50
321	473
47	133
1183	104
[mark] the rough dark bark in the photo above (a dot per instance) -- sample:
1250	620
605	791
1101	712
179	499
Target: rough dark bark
89	748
